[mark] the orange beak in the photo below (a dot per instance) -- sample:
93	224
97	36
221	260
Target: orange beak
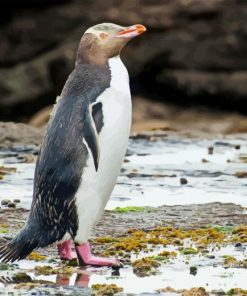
131	32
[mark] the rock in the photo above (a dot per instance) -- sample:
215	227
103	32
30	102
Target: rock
183	181
193	270
42	117
13	133
210	150
194	51
211	256
11	205
241	174
166	290
28	158
17	200
5	202
195	291
207	85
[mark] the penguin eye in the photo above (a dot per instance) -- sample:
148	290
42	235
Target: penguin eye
103	35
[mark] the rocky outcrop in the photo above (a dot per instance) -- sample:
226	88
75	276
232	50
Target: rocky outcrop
147	116
19	133
194	50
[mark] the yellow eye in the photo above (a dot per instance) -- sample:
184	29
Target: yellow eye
103	35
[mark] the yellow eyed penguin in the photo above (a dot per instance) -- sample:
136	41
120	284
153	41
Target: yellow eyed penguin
82	150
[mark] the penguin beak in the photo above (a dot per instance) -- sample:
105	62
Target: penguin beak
131	32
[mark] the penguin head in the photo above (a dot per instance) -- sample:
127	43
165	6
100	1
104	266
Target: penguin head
106	40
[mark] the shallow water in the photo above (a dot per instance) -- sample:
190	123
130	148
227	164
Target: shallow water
151	176
176	274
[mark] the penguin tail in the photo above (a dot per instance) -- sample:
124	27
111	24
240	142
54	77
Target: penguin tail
19	247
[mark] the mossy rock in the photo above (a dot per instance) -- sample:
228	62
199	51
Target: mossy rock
105	290
145	266
21	277
48	270
237	291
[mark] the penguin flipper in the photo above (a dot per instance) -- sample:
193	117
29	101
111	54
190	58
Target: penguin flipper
91	137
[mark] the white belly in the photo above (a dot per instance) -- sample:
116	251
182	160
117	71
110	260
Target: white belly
96	187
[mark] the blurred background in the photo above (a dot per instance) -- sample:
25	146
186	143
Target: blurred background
189	70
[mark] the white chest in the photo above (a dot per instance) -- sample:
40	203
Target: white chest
96	187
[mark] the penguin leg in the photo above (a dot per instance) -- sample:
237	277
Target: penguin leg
85	257
65	250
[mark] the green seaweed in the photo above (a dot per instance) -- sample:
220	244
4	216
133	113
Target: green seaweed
225	229
159	258
221	228
132	209
189	251
3	231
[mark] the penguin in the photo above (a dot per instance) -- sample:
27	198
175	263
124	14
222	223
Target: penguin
82	151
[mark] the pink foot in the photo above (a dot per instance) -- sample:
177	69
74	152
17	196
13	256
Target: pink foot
65	250
86	258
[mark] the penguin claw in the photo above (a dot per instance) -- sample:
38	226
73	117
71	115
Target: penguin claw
68	256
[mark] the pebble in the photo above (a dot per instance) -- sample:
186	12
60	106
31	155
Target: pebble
210	150
211	257
17	200
11	205
237	245
183	181
193	270
5	202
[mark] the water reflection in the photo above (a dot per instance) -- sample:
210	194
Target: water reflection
79	279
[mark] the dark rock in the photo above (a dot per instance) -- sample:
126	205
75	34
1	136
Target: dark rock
5	202
210	150
194	51
183	181
193	270
11	205
17	200
210	256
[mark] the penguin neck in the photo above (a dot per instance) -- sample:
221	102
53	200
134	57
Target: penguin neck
89	52
91	57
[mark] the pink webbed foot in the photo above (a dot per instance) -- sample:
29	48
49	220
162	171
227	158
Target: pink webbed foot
85	257
65	250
